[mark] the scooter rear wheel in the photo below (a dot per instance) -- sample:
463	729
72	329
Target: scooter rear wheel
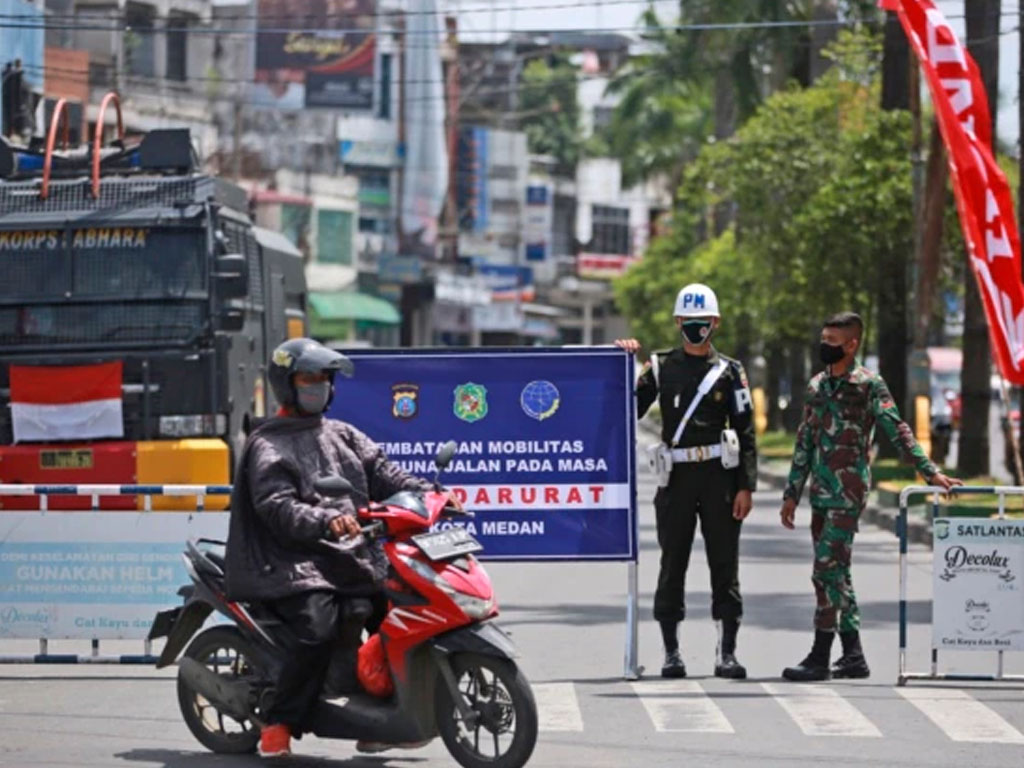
505	729
225	652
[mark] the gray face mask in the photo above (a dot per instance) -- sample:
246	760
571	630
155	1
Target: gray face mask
312	398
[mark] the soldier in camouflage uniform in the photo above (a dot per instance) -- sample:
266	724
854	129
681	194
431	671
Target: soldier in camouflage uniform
844	404
699	486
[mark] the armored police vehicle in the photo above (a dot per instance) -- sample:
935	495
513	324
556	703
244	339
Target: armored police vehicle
138	307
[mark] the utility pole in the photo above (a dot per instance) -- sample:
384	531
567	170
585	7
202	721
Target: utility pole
982	18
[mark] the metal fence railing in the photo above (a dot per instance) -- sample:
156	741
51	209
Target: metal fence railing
96	493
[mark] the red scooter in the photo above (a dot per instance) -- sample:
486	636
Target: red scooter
453	670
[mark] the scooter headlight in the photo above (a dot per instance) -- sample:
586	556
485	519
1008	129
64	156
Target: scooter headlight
474	607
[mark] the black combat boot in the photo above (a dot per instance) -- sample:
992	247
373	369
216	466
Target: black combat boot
851	664
674	666
815	666
726	664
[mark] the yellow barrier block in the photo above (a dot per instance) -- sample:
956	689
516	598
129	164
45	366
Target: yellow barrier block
923	421
193	461
760	410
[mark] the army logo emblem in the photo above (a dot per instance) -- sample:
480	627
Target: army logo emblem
470	402
404	404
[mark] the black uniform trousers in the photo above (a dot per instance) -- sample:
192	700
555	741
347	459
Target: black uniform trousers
314	619
703	490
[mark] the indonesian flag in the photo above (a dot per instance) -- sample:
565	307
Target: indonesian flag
76	402
983	196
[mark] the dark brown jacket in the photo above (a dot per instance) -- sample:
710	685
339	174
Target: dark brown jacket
278	540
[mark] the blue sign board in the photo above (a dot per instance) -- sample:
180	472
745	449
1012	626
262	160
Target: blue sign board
546	440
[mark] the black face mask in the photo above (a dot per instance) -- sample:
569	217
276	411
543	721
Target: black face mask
831	353
696	331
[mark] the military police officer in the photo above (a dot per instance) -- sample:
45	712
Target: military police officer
708	466
844	404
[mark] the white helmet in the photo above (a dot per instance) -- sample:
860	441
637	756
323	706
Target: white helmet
696	300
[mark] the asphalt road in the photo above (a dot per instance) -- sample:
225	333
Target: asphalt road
568	621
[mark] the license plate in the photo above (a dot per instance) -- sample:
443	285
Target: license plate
444	545
73	459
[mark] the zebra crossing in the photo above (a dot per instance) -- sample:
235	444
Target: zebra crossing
820	710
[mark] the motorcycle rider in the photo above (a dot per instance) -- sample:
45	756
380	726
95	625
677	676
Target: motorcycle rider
293	550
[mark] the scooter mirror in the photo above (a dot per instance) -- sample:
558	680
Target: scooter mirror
445	455
333	485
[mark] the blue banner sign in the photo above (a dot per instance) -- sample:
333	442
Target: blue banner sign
546	440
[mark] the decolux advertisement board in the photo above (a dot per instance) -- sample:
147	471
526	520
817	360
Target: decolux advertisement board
546	440
978	580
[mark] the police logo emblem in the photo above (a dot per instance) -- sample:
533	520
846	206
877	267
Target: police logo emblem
470	402
942	529
718	397
404	401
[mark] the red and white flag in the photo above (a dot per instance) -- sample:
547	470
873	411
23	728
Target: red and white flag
77	402
982	193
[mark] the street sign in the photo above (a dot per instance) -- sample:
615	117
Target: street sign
546	440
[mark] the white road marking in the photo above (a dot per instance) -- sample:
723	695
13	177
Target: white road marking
820	711
558	707
681	706
961	717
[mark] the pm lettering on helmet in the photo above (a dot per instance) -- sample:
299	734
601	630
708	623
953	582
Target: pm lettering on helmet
693	300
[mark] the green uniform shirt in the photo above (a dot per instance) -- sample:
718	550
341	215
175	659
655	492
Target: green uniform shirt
835	435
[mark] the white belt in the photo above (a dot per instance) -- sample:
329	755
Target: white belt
698	453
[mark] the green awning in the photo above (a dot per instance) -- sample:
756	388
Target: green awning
352	305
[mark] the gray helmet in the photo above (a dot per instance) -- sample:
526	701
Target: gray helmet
303	356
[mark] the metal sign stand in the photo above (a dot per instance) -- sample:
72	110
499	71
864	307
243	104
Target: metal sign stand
901	524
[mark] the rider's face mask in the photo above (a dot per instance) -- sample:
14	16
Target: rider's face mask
312	398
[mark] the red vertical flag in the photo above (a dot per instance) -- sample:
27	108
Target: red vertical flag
982	193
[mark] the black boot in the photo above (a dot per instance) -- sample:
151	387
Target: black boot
674	666
815	666
726	664
852	664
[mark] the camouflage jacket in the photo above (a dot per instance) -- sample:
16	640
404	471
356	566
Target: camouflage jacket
835	435
728	404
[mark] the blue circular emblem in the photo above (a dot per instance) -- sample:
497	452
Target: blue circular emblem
540	400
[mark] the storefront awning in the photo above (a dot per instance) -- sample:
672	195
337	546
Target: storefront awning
331	309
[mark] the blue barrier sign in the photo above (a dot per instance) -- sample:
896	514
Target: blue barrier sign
546	440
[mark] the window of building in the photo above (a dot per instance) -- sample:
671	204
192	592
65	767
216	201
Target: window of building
177	47
374	226
384	103
508	207
610	230
139	41
603	117
334	237
503	172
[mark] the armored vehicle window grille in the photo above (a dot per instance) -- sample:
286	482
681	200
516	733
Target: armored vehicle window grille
38	275
155	322
252	252
241	240
119	193
172	265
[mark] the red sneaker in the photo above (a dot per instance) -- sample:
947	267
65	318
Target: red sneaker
275	741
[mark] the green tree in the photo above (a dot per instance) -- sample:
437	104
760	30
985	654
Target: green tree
550	110
819	179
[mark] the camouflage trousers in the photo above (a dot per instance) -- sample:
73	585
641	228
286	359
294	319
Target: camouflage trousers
832	532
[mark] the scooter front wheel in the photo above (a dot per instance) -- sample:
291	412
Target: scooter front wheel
502	730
